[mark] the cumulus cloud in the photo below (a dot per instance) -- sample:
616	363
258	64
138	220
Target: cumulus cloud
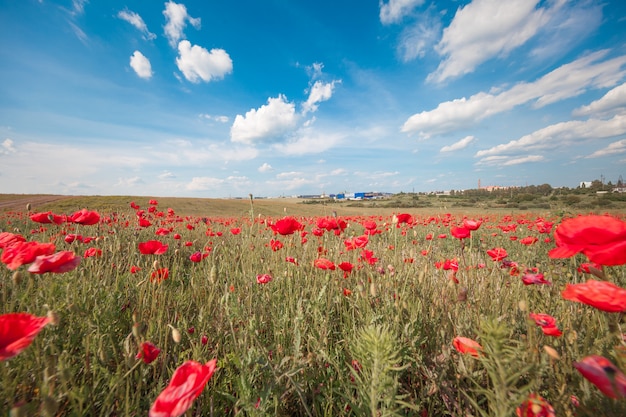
196	63
395	10
613	149
269	121
486	28
136	20
615	98
462	144
265	167
7	147
560	135
141	65
176	17
567	81
320	91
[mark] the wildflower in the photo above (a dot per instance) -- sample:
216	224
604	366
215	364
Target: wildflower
358	242
404	218
602	295
529	240
7	239
17	332
92	252
85	217
263	278
471	224
467	346
547	324
196	256
186	385
535	406
276	245
148	352
603	374
601	238
235	230
48	218
347	292
287	226
368	256
460	232
134	269
497	254
204	340
591	268
292	260
323	263
23	253
152	247
159	275
537	279
153	202
57	263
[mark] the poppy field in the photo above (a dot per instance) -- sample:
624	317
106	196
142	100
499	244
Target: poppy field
145	311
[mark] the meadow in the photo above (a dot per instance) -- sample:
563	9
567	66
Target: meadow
294	309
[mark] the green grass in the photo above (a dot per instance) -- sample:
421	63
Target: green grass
311	342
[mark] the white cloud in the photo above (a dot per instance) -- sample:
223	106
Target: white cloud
484	29
315	70
509	161
265	167
176	19
612	149
204	183
165	175
78	6
613	99
269	121
561	135
320	91
462	144
395	10
567	81
129	182
136	20
416	39
141	65
221	119
7	147
196	63
308	141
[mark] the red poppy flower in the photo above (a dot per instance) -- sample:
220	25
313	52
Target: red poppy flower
286	226
152	247
346	267
85	217
537	279
529	240
144	222
547	324
57	263
460	232
323	263
92	252
48	218
369	225
471	224
134	269
148	352
356	242
134	205
535	406
235	230
497	254
602	295
161	231
186	385
603	374
368	256
70	238
276	245
467	346
263	278
22	253
601	238
7	239
159	275
404	218
591	268
153	202
292	260
17	332
195	257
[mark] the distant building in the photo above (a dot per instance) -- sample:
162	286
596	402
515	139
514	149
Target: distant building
585	184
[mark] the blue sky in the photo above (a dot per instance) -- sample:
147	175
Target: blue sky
287	97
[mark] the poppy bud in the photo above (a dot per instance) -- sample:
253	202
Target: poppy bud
175	334
155	264
552	352
213	274
17	277
373	290
53	317
28	206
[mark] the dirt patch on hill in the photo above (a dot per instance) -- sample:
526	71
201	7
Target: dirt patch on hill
10	202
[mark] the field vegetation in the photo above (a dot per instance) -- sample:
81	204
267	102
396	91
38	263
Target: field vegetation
414	305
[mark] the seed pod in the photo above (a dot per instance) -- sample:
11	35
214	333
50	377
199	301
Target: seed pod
176	336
